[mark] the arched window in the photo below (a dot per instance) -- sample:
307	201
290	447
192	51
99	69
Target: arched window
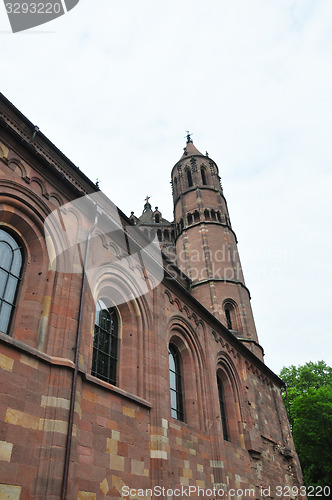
228	318
175	186
105	343
11	261
203	176
175	377
189	178
213	215
207	215
222	407
231	315
157	218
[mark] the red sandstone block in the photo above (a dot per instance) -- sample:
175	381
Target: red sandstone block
22	454
85	438
100	441
85	425
16	434
112	424
86	459
101	459
88	406
26	494
83	450
9	401
122	449
102	421
26	475
8	473
113	493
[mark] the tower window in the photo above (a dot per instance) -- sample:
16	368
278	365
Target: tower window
233	321
228	319
175	378
189	178
175	186
105	343
207	215
11	261
222	409
203	176
196	216
157	218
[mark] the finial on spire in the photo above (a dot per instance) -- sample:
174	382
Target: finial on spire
147	205
189	139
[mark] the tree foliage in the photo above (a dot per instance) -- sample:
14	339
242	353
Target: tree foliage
308	401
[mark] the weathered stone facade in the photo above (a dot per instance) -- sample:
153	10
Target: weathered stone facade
123	435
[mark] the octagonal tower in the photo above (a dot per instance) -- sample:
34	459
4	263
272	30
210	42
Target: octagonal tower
206	244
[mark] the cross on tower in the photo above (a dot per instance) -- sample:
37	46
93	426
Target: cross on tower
189	139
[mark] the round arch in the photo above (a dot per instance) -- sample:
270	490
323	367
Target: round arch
228	394
183	336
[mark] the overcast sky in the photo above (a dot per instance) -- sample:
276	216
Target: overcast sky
116	84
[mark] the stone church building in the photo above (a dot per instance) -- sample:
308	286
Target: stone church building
126	371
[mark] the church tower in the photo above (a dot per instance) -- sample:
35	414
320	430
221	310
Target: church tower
206	244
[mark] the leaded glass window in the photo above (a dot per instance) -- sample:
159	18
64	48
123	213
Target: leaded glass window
105	343
175	383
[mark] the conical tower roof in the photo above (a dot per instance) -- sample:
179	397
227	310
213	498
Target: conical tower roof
190	149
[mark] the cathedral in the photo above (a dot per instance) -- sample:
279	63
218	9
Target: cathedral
130	362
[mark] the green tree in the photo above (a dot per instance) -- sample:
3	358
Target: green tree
308	401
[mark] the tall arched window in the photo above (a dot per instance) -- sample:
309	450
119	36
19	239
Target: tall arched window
189	178
228	318
203	176
222	407
105	343
175	383
11	261
175	186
